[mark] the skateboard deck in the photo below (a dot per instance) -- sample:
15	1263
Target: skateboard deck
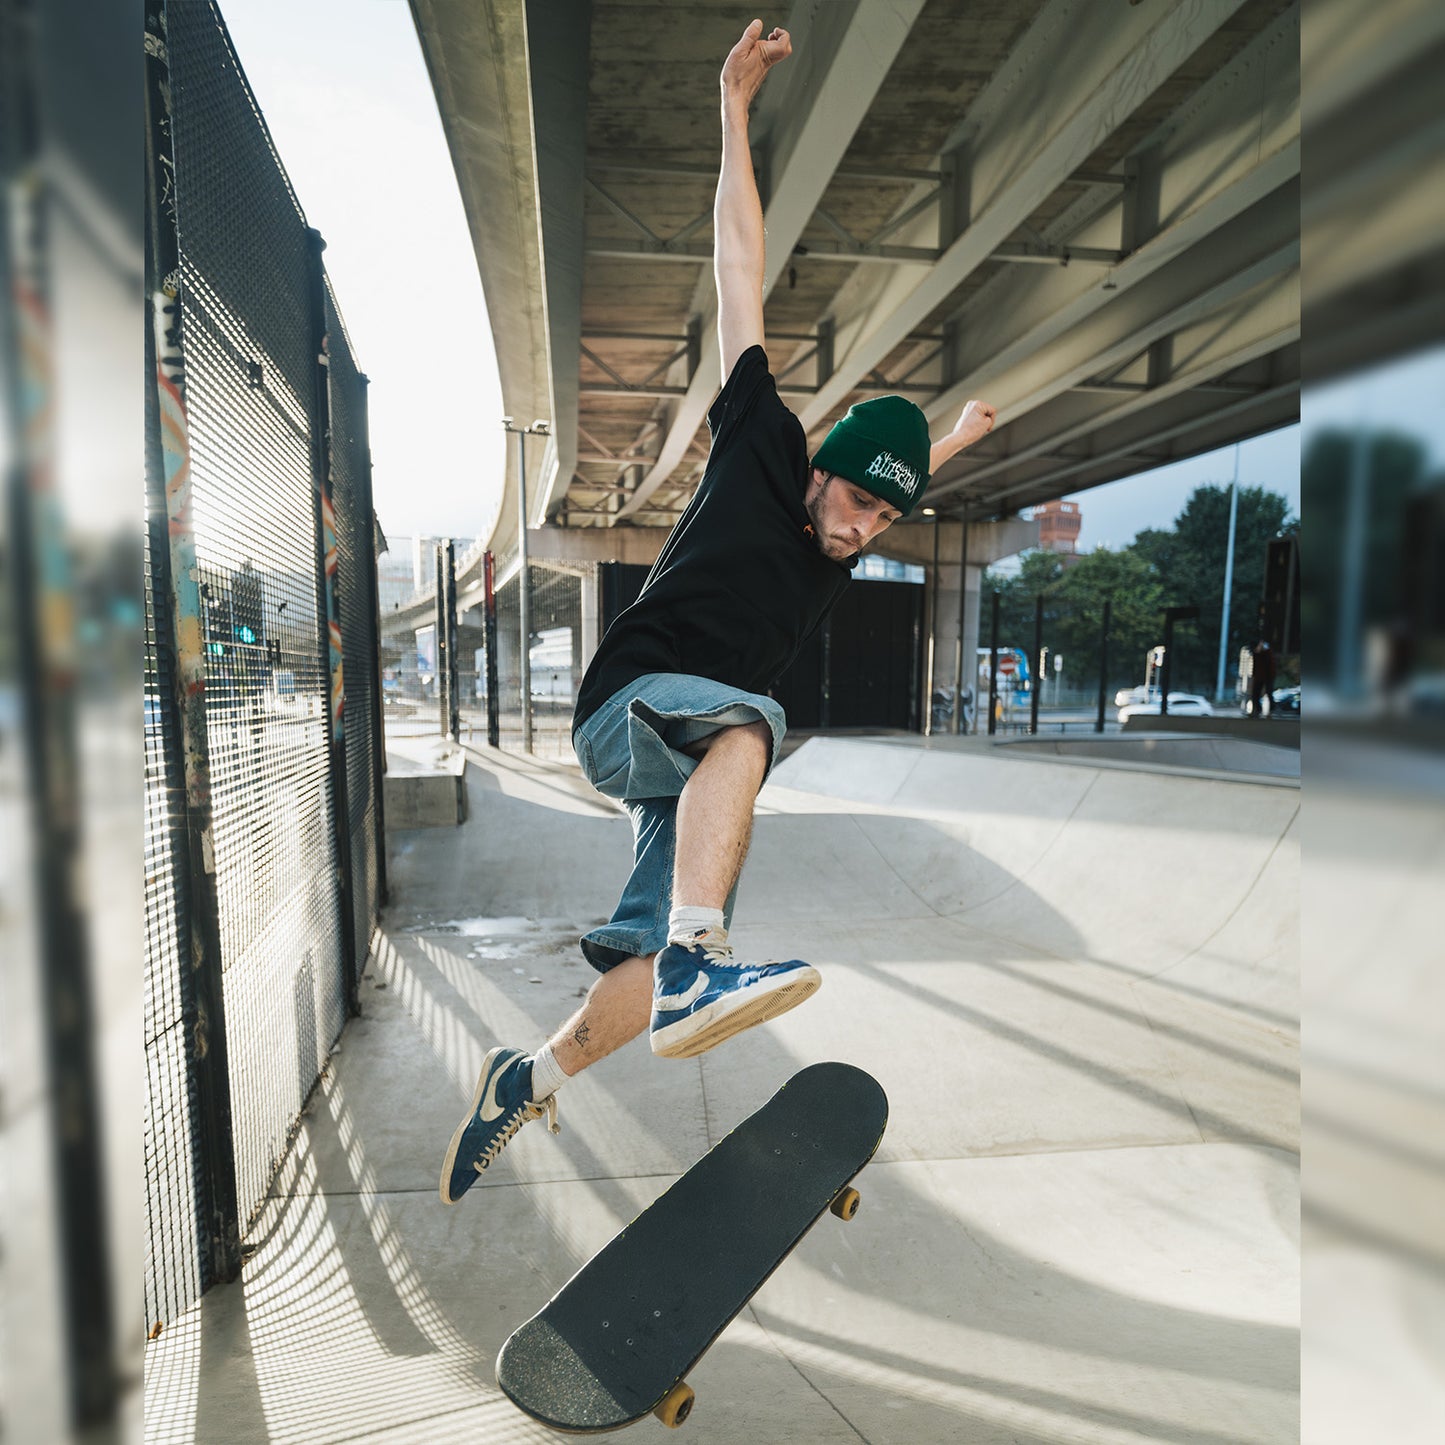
615	1342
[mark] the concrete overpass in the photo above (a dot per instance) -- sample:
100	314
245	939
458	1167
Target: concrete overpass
1087	214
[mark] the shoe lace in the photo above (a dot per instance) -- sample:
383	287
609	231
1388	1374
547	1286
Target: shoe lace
720	955
522	1114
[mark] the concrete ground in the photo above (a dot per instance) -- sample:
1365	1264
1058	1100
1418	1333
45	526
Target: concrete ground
1077	985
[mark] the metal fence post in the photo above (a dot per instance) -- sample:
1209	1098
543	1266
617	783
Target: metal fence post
1104	662
454	672
958	662
439	622
993	668
1167	668
1037	685
494	721
524	611
174	579
930	682
367	509
1166	673
328	607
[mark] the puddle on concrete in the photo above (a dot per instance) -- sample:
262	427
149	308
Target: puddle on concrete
503	939
491	927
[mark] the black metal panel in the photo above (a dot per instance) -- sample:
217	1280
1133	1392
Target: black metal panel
619	586
861	669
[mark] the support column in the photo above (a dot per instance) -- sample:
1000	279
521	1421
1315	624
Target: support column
590	625
489	572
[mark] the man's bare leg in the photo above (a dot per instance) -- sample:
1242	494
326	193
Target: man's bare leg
715	814
702	995
617	1009
714	824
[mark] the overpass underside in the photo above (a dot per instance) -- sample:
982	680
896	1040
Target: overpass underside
1087	214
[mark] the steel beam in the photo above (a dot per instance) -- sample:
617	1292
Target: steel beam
1012	169
1230	145
559	41
1056	481
1267	323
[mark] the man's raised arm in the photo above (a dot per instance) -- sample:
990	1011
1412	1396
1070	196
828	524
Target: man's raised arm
976	421
737	212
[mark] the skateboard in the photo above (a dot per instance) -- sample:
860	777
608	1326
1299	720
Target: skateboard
616	1341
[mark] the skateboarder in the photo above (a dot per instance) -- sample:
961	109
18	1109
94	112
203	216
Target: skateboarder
672	717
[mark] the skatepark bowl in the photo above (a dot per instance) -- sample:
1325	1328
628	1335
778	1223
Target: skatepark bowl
1076	980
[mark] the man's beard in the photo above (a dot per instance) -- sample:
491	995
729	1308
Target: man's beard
835	548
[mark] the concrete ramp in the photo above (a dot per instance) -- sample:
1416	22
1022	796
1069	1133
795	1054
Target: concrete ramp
1076	986
1187	880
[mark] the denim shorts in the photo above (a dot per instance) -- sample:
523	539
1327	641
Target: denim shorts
631	750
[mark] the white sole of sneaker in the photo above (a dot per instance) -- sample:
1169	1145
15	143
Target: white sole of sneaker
718	1022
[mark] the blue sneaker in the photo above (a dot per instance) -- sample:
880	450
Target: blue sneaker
701	996
501	1105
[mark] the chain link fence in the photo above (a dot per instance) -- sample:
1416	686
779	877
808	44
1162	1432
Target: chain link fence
277	505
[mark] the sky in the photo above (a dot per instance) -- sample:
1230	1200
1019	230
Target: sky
346	95
344	89
1112	515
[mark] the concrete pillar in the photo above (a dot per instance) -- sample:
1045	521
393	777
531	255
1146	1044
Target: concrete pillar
591	615
987	542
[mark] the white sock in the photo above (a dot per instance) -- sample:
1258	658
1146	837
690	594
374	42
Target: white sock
547	1074
684	924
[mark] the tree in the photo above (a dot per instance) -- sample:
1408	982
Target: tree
1189	561
1038	572
1074	598
1126	579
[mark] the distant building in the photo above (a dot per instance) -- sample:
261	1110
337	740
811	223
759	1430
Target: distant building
408	566
1059	524
395	579
871	568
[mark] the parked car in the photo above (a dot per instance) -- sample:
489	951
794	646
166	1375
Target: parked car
1128	695
1181	704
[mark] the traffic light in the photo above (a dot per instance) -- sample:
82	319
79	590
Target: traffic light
248	605
1280	608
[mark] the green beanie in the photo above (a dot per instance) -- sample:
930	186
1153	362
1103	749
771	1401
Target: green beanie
882	445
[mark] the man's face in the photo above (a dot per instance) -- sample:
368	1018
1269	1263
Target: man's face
845	517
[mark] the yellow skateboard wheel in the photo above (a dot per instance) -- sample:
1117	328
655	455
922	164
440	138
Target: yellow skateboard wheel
676	1405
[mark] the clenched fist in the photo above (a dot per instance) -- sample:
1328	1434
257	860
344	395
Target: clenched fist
977	421
751	59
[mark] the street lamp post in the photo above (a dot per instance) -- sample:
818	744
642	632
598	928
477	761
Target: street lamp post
1228	577
524	618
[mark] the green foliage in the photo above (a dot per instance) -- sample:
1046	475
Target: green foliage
1180	566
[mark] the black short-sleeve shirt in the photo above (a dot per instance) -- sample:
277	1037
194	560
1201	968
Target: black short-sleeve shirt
739	585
